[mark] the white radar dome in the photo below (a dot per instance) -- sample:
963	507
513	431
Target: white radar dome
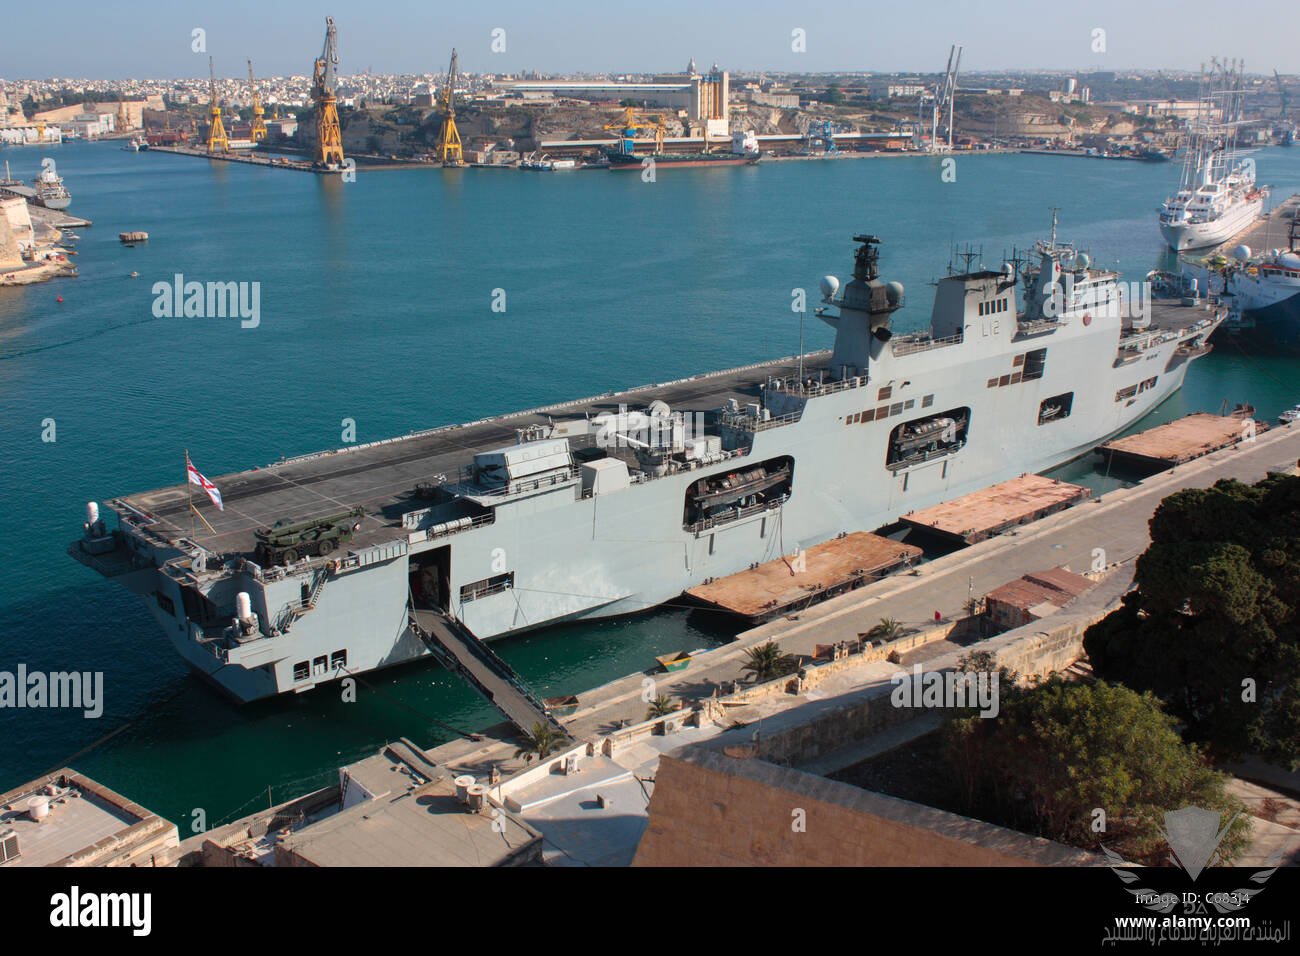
830	285
894	292
1242	252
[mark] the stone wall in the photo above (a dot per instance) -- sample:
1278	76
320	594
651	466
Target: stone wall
710	809
737	800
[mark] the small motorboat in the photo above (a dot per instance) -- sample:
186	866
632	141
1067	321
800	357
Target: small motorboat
678	661
1290	416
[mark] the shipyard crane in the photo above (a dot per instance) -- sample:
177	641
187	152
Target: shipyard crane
633	122
449	138
217	139
329	138
945	101
258	132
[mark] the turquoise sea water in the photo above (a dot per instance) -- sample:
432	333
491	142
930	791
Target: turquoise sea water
376	305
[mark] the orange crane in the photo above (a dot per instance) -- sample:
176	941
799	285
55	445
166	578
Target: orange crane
329	138
448	148
258	132
216	129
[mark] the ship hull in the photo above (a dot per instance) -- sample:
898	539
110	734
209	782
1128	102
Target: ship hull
1182	236
1272	328
629	552
621	161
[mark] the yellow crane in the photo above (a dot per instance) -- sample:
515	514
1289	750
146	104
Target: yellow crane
329	138
634	121
448	148
258	132
217	139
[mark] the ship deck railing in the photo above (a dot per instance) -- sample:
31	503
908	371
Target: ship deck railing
445	529
921	342
467	486
815	389
748	423
1037	326
704	524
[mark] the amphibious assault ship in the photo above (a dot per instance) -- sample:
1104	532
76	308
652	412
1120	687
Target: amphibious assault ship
618	503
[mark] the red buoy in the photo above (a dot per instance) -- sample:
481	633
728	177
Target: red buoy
60	298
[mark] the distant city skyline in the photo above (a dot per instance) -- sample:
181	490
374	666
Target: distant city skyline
153	38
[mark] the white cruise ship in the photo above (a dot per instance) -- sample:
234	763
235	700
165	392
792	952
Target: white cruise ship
1213	204
1217	196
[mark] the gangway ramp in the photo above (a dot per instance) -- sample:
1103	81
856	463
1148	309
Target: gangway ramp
485	671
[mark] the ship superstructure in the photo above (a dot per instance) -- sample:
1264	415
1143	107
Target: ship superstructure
618	503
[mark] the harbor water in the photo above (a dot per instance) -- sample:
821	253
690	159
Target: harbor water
415	298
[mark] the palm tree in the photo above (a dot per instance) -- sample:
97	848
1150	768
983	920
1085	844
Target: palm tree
766	662
541	743
661	706
887	630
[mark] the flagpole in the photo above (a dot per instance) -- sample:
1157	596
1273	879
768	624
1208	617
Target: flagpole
189	498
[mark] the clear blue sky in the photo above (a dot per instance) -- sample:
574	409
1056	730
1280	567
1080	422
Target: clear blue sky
111	39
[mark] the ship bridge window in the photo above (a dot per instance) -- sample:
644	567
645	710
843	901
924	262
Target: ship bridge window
923	439
301	671
1056	408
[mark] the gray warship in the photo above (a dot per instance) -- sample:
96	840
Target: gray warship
372	555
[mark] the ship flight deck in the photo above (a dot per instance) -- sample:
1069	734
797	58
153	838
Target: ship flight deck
381	476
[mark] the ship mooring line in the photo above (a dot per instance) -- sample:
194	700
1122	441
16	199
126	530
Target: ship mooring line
67	761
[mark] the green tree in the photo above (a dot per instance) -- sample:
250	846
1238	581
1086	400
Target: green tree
1212	626
1059	752
541	742
661	706
766	661
887	630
